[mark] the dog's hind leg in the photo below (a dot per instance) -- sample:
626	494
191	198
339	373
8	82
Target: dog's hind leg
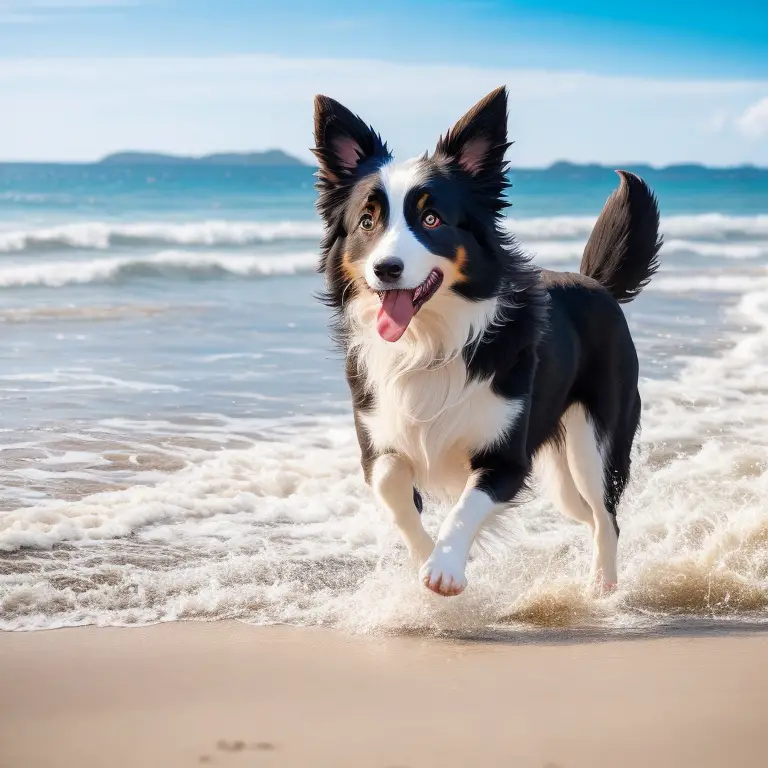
619	457
589	472
556	476
392	482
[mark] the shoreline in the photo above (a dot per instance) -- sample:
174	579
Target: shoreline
230	694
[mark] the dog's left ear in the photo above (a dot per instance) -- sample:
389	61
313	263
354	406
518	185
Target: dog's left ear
343	142
478	141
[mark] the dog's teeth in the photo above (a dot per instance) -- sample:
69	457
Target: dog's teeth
424	291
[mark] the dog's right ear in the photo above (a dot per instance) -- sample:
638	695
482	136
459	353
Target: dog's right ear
343	142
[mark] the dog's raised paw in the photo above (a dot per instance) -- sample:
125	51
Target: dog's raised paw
443	574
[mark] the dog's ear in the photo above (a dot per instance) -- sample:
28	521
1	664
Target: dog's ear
343	142
477	143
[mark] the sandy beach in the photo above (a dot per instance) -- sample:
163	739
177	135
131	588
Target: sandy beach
228	694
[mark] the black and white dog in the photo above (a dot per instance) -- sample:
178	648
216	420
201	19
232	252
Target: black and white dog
464	360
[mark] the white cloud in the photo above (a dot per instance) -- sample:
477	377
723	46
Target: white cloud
84	108
754	122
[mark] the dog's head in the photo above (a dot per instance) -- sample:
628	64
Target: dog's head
406	234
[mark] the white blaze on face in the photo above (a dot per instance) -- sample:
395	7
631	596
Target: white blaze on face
399	242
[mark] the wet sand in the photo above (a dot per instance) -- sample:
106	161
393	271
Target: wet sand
225	694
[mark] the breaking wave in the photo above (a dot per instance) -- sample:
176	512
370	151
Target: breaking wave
173	264
100	235
286	531
96	235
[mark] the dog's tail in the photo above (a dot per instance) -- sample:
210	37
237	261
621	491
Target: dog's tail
622	251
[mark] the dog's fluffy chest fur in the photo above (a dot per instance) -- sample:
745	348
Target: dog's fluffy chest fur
424	406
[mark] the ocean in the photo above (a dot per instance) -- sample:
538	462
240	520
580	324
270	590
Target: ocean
176	440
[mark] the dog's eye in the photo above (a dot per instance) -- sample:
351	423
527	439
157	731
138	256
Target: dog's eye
366	222
430	220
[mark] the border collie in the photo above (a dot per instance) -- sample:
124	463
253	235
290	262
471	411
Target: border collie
463	359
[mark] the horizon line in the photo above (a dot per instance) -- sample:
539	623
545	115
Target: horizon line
183	159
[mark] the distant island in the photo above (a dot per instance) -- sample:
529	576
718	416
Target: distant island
277	158
271	157
566	168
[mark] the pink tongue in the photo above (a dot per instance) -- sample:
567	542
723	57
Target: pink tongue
395	314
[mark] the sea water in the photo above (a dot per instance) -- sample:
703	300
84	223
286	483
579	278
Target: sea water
176	438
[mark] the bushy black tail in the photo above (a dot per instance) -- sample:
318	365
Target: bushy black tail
622	251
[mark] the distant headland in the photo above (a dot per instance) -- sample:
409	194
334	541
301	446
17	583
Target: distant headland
270	157
277	158
566	168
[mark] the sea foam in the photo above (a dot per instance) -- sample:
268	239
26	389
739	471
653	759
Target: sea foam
99	235
169	264
286	531
105	235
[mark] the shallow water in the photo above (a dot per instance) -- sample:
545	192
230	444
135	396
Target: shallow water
177	438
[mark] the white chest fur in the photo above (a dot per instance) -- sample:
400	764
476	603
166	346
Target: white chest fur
425	410
436	419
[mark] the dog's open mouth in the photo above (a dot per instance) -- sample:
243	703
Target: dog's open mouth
398	307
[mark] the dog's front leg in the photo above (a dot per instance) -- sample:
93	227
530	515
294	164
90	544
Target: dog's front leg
392	482
488	487
497	475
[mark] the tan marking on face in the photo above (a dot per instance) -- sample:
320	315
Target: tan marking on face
348	268
461	263
351	268
422	202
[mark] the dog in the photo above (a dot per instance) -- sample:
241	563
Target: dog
464	360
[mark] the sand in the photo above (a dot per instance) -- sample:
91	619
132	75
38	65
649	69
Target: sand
226	694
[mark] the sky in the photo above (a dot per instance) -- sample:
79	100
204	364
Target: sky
590	81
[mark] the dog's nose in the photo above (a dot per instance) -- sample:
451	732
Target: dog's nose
389	270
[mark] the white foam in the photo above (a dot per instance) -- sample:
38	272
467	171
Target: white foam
571	251
715	226
99	235
286	531
265	482
714	282
706	226
754	250
55	274
74	457
103	235
231	356
76	379
180	264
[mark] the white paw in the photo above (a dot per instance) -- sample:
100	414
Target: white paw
443	573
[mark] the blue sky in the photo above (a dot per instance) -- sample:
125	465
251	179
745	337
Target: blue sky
590	81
